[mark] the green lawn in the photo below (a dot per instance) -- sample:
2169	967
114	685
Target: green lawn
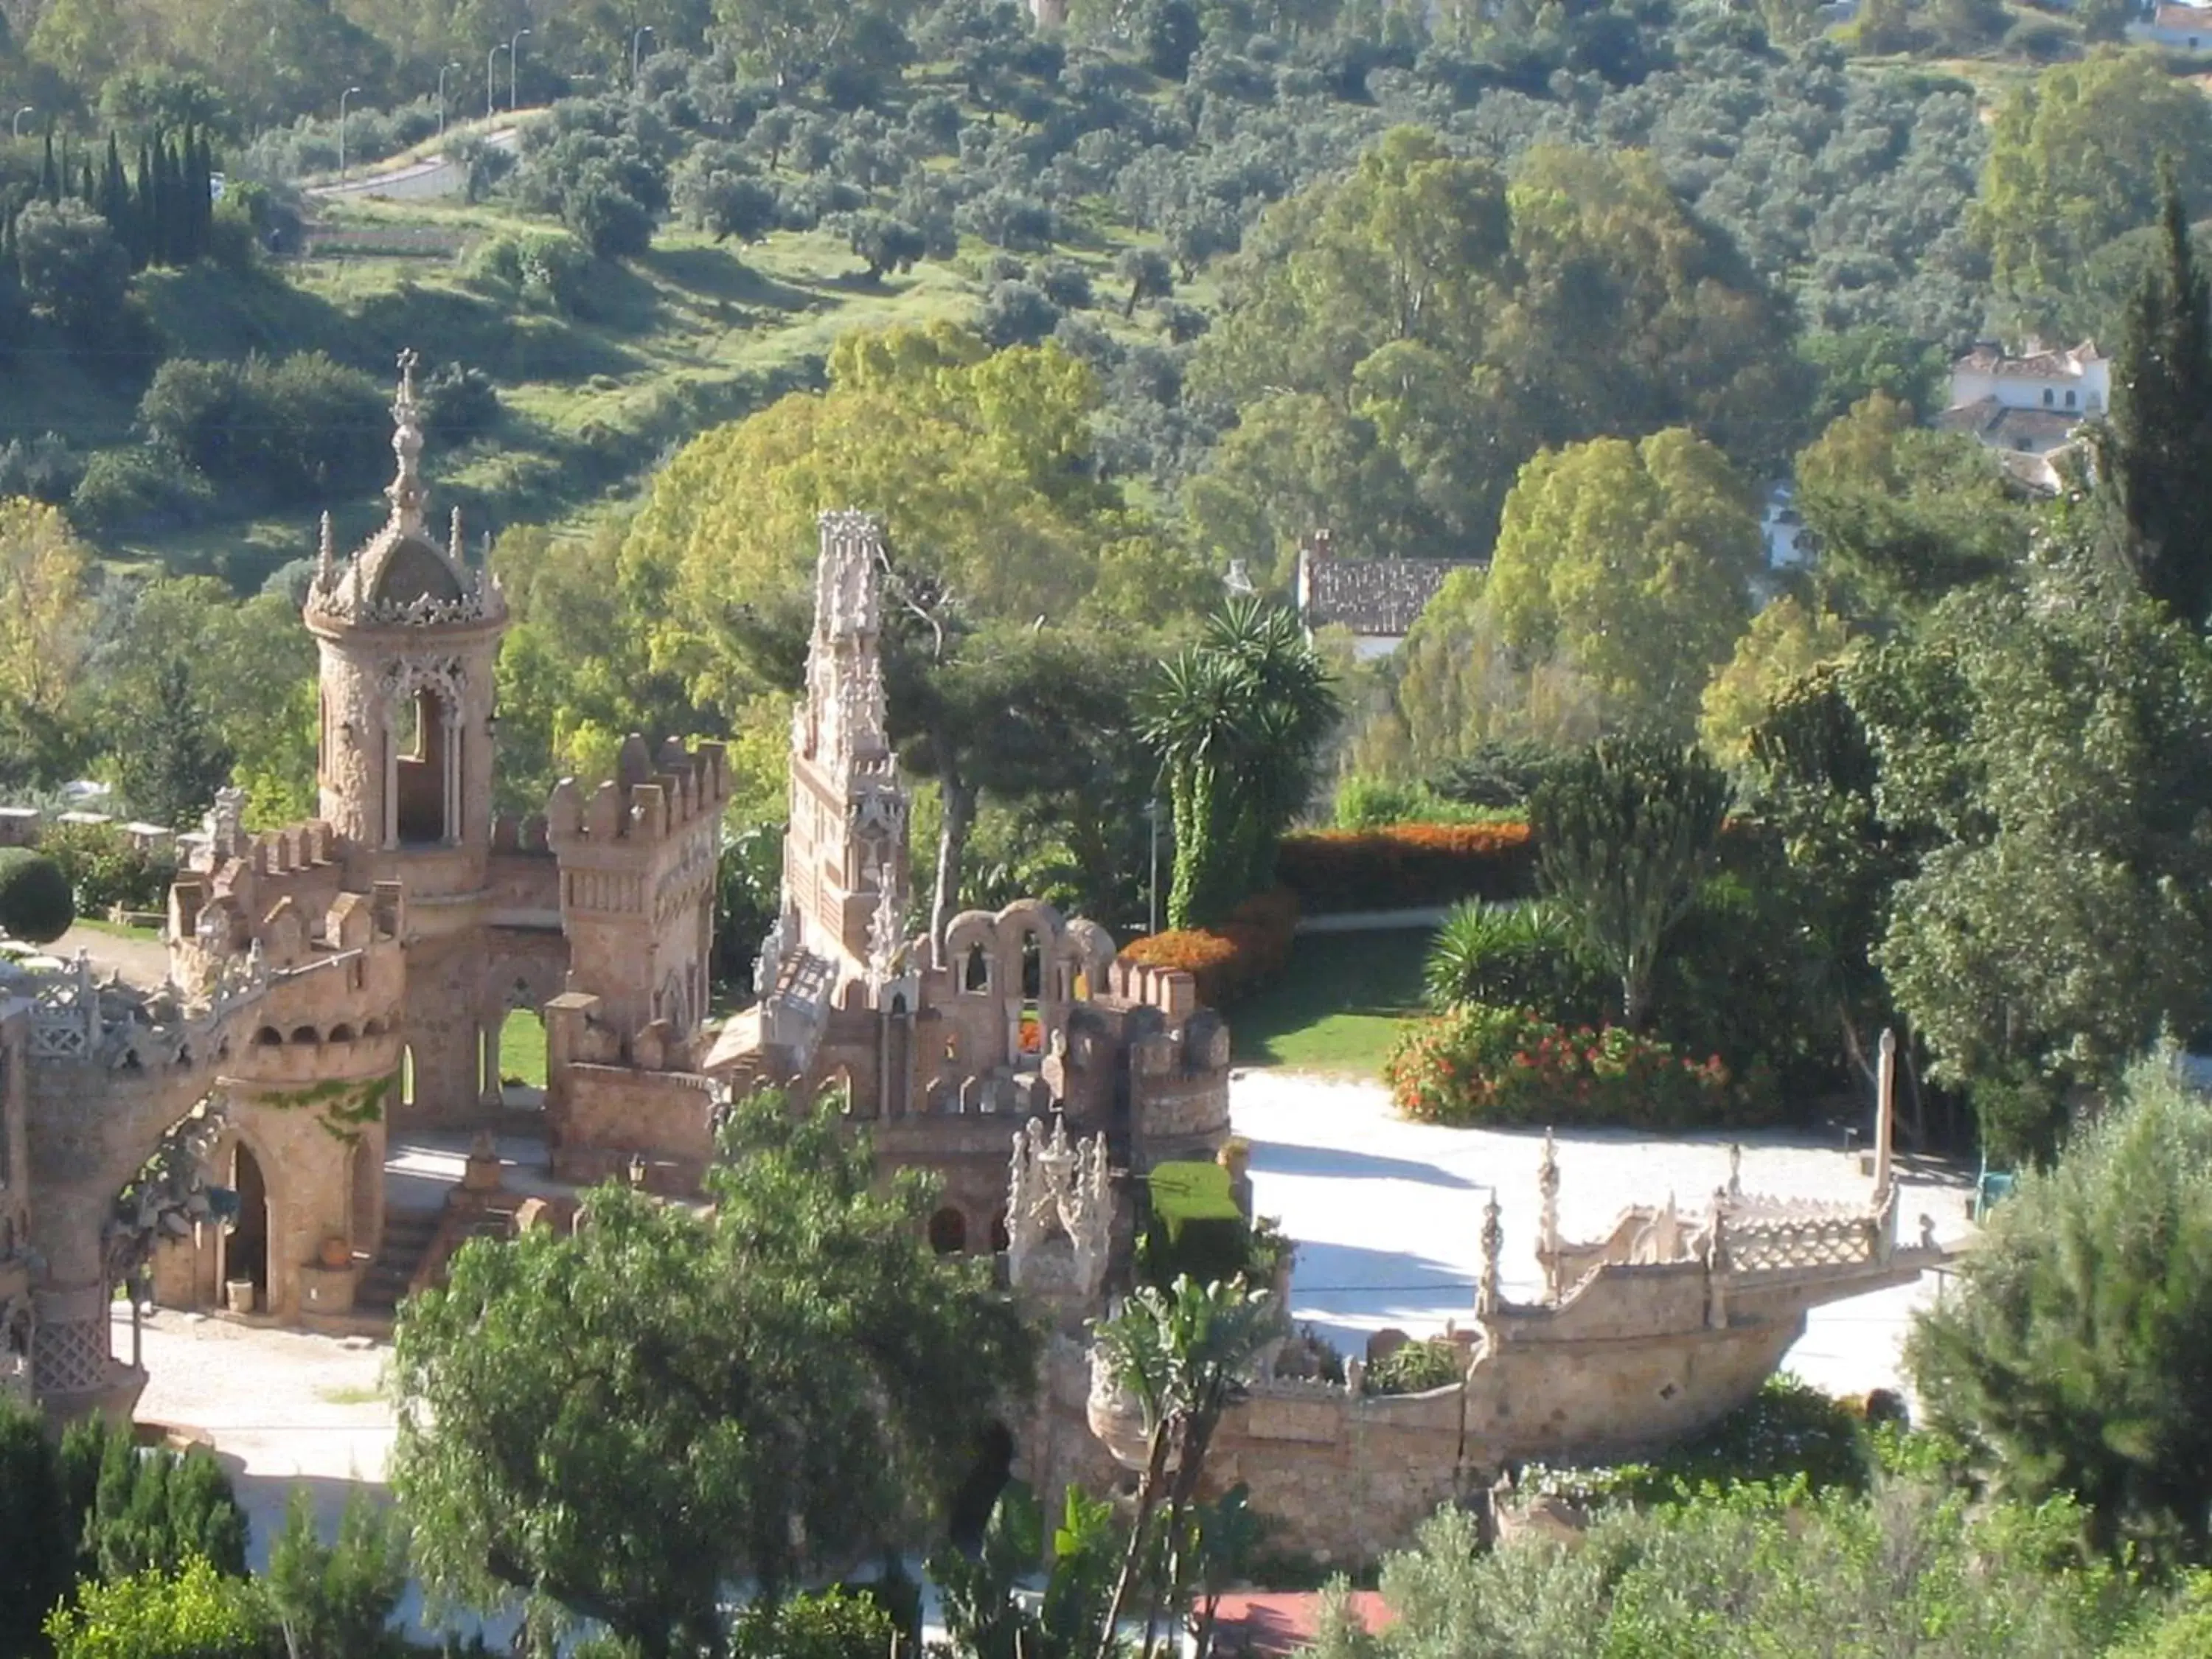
1337	1006
522	1049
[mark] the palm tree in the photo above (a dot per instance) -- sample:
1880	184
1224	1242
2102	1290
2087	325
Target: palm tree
1185	1355
1238	720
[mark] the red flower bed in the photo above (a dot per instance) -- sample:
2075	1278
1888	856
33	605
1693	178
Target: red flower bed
1402	866
1477	1064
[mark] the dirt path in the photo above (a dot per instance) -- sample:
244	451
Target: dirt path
139	961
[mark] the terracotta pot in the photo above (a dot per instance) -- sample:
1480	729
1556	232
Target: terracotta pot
337	1253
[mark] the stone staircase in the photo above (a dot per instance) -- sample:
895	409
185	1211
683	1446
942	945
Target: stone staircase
407	1237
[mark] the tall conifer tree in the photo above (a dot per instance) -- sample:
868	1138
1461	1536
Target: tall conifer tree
50	179
2157	452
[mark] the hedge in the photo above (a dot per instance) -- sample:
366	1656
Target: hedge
1232	960
1402	866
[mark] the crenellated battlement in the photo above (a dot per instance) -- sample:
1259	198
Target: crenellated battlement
651	797
1170	990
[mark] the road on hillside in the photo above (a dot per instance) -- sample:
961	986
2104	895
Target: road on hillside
433	176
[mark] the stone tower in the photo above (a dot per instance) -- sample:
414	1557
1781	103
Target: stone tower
845	854
408	635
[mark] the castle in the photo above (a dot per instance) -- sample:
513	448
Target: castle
221	1140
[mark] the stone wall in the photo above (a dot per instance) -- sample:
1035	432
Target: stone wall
603	1116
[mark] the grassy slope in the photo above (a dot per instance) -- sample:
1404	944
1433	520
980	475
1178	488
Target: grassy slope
1337	1008
688	336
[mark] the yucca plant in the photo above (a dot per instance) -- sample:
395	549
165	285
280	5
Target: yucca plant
1511	955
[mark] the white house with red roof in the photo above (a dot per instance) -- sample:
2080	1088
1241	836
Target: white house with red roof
2029	408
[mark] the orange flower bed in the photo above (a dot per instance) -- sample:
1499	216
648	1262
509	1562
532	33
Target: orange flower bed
1402	866
1228	962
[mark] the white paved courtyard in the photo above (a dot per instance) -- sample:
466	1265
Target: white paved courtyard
1388	1214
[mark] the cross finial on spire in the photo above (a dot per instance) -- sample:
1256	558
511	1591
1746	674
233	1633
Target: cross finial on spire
406	492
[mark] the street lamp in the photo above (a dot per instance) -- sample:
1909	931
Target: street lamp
27	109
442	97
491	86
514	69
343	96
636	40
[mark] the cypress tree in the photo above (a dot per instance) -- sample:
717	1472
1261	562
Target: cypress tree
115	196
87	192
142	210
50	179
2157	451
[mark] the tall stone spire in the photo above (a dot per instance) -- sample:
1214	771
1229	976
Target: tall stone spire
406	492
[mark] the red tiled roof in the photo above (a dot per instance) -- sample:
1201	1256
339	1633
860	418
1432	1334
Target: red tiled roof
1274	1623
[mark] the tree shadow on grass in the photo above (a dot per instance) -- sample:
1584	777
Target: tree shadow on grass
1331	976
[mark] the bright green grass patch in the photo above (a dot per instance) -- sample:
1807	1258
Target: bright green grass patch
522	1049
1339	1006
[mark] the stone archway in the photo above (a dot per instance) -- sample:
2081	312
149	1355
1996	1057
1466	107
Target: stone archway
247	1244
511	1036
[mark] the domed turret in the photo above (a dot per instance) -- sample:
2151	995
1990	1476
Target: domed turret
408	633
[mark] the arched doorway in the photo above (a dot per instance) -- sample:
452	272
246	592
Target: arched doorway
421	771
365	1176
948	1231
517	1056
991	1466
246	1252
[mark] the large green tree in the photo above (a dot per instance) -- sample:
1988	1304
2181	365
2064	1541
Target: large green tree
2072	1353
2049	741
2157	449
615	1424
1903	515
2073	162
1627	831
1368	315
1632	561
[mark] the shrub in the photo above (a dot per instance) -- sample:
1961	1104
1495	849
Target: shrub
104	867
548	269
1015	314
195	1613
1512	956
1231	961
833	1624
1406	865
1480	1064
139	488
1365	802
605	217
75	273
288	427
35	905
1498	775
459	403
1787	1431
1067	285
1417	1368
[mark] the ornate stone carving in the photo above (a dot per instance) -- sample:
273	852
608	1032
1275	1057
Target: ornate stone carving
1056	1190
445	677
